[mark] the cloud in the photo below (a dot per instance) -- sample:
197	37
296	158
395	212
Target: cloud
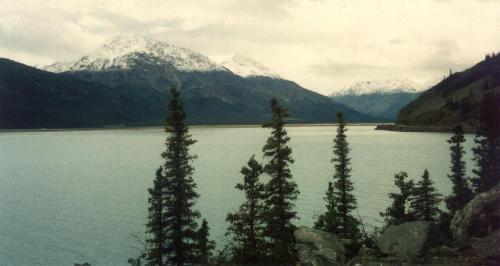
320	44
335	68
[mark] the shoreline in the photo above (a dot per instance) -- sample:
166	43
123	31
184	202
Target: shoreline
161	127
420	128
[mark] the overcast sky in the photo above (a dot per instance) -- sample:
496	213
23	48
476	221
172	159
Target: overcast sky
321	44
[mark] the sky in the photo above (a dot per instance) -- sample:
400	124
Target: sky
323	45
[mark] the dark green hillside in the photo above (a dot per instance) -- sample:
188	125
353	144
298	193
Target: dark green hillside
32	98
220	97
310	105
455	100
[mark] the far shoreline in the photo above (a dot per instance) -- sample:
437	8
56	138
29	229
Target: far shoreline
161	127
422	128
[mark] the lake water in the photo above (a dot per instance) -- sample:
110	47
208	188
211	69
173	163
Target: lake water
80	196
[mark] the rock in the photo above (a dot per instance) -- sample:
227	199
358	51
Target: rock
318	248
474	251
479	217
407	241
485	250
83	264
374	261
371	257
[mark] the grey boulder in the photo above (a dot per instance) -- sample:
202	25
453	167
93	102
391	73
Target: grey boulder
318	248
479	217
406	241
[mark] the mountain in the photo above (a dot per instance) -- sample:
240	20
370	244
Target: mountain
126	82
456	99
144	69
121	50
247	67
33	98
382	86
378	98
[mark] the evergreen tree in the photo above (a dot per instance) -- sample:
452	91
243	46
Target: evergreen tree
180	195
155	254
487	150
247	225
281	191
425	200
344	201
328	221
204	246
461	193
398	213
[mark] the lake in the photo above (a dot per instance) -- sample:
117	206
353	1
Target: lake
81	196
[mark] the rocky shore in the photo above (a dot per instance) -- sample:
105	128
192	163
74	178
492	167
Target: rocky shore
475	241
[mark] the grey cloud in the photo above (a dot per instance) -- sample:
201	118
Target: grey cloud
397	41
39	40
445	55
335	68
121	23
315	42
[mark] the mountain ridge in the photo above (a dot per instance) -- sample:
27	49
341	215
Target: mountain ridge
137	82
378	98
118	50
379	86
456	99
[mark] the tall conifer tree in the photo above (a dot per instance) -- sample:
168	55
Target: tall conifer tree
281	191
487	150
328	221
425	200
461	192
247	225
345	203
398	212
204	248
180	194
155	254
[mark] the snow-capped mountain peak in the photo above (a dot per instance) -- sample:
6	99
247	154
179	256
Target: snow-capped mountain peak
382	86
121	50
247	67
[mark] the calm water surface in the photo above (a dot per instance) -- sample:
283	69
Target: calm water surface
80	196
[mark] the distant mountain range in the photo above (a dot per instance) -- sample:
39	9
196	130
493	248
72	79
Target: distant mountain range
378	98
456	99
126	81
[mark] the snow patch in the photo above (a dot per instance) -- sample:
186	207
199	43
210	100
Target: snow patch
382	86
247	67
120	51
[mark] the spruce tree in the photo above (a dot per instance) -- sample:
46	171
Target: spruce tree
247	225
461	192
204	248
345	203
487	150
398	213
155	254
281	191
425	200
328	221
180	194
